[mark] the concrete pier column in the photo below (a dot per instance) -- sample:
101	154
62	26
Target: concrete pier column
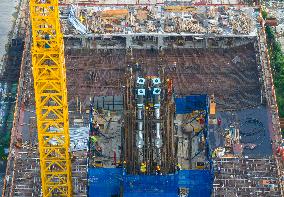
206	42
160	42
128	41
83	41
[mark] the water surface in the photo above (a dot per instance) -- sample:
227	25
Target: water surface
7	9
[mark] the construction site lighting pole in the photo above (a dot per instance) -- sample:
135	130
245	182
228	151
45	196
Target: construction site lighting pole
49	75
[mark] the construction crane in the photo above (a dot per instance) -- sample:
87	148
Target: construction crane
49	74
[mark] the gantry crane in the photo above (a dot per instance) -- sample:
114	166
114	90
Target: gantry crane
49	74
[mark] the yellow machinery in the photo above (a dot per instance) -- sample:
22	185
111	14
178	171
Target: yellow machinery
115	13
200	165
49	74
180	8
98	164
212	105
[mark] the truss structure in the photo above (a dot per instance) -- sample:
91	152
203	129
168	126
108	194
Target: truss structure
49	74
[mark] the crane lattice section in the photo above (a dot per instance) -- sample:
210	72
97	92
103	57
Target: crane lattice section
49	74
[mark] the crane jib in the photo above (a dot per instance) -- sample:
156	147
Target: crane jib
49	74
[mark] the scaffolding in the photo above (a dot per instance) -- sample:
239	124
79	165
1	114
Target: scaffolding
246	177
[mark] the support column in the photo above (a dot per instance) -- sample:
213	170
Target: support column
206	42
128	41
160	42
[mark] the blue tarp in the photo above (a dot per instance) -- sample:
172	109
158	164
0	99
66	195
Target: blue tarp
151	185
188	104
108	182
104	182
199	182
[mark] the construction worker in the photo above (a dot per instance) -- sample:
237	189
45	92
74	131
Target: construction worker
201	120
219	121
114	157
143	168
219	168
124	168
119	164
82	18
99	150
138	66
93	139
158	170
214	154
178	166
96	128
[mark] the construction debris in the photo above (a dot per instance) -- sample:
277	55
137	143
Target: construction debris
159	19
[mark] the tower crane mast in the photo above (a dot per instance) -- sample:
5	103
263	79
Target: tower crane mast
49	75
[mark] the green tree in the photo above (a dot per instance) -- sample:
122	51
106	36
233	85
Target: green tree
264	14
277	64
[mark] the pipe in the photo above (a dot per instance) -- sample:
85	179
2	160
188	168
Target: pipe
156	92
140	108
157	116
158	141
140	141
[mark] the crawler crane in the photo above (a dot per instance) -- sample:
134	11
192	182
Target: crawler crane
49	75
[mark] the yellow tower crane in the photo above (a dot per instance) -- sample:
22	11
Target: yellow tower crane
49	74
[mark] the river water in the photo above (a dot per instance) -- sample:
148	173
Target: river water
7	10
